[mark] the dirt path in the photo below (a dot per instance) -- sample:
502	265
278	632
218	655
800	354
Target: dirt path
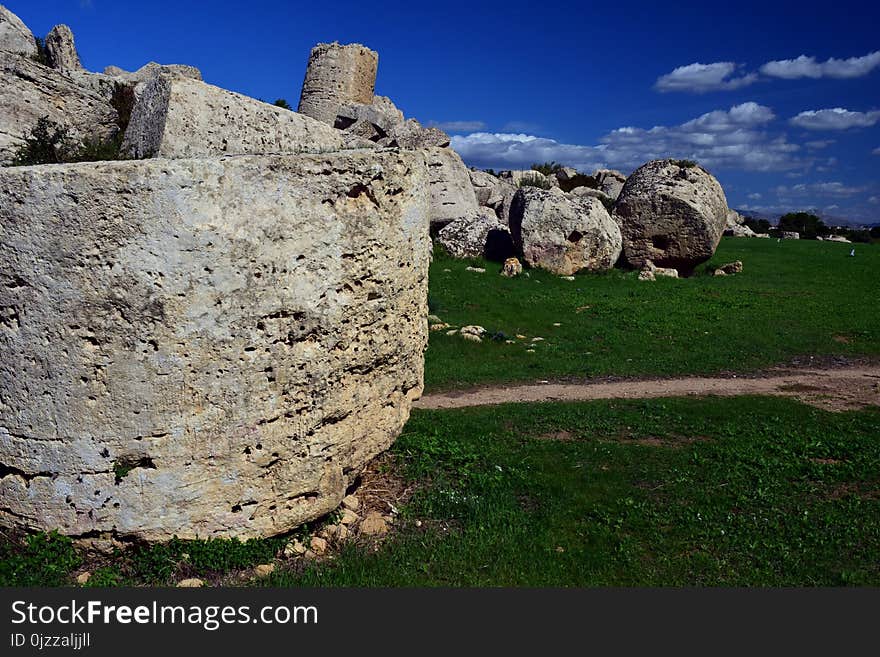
832	389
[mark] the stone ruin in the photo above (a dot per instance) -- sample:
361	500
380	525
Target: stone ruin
336	75
214	340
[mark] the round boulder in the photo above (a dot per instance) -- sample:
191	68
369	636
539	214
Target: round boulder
481	235
672	213
561	233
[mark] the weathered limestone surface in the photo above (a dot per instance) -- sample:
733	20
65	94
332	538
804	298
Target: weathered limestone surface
479	236
381	114
205	347
610	181
179	117
148	71
337	74
411	135
61	49
29	91
561	233
14	35
452	195
670	214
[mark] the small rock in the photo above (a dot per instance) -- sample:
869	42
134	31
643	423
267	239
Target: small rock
471	337
191	583
567	278
432	319
351	502
520	337
452	332
349	517
374	525
530	351
318	545
473	330
82	578
476	270
310	555
537	339
342	533
735	267
264	569
438	327
510	342
512	267
294	548
556	324
720	272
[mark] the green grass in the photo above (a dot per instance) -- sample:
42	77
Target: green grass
746	491
794	299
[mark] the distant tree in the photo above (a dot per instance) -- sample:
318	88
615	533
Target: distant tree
875	232
547	168
863	236
757	225
283	104
491	172
808	225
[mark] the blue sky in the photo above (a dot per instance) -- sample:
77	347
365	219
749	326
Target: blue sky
780	100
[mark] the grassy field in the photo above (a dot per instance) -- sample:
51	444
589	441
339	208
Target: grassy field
794	298
743	491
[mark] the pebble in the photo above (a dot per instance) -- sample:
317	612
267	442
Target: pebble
264	569
351	502
476	270
349	517
318	545
374	525
191	583
294	548
82	578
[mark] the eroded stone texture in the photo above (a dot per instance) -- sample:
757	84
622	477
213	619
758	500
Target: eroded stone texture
179	117
480	236
30	91
381	115
337	74
611	182
452	195
14	35
671	213
61	49
206	347
411	135
561	233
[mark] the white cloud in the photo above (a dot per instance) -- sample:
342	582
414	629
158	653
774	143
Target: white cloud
819	144
835	119
825	189
700	78
874	199
458	126
518	151
808	67
876	151
755	197
723	139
